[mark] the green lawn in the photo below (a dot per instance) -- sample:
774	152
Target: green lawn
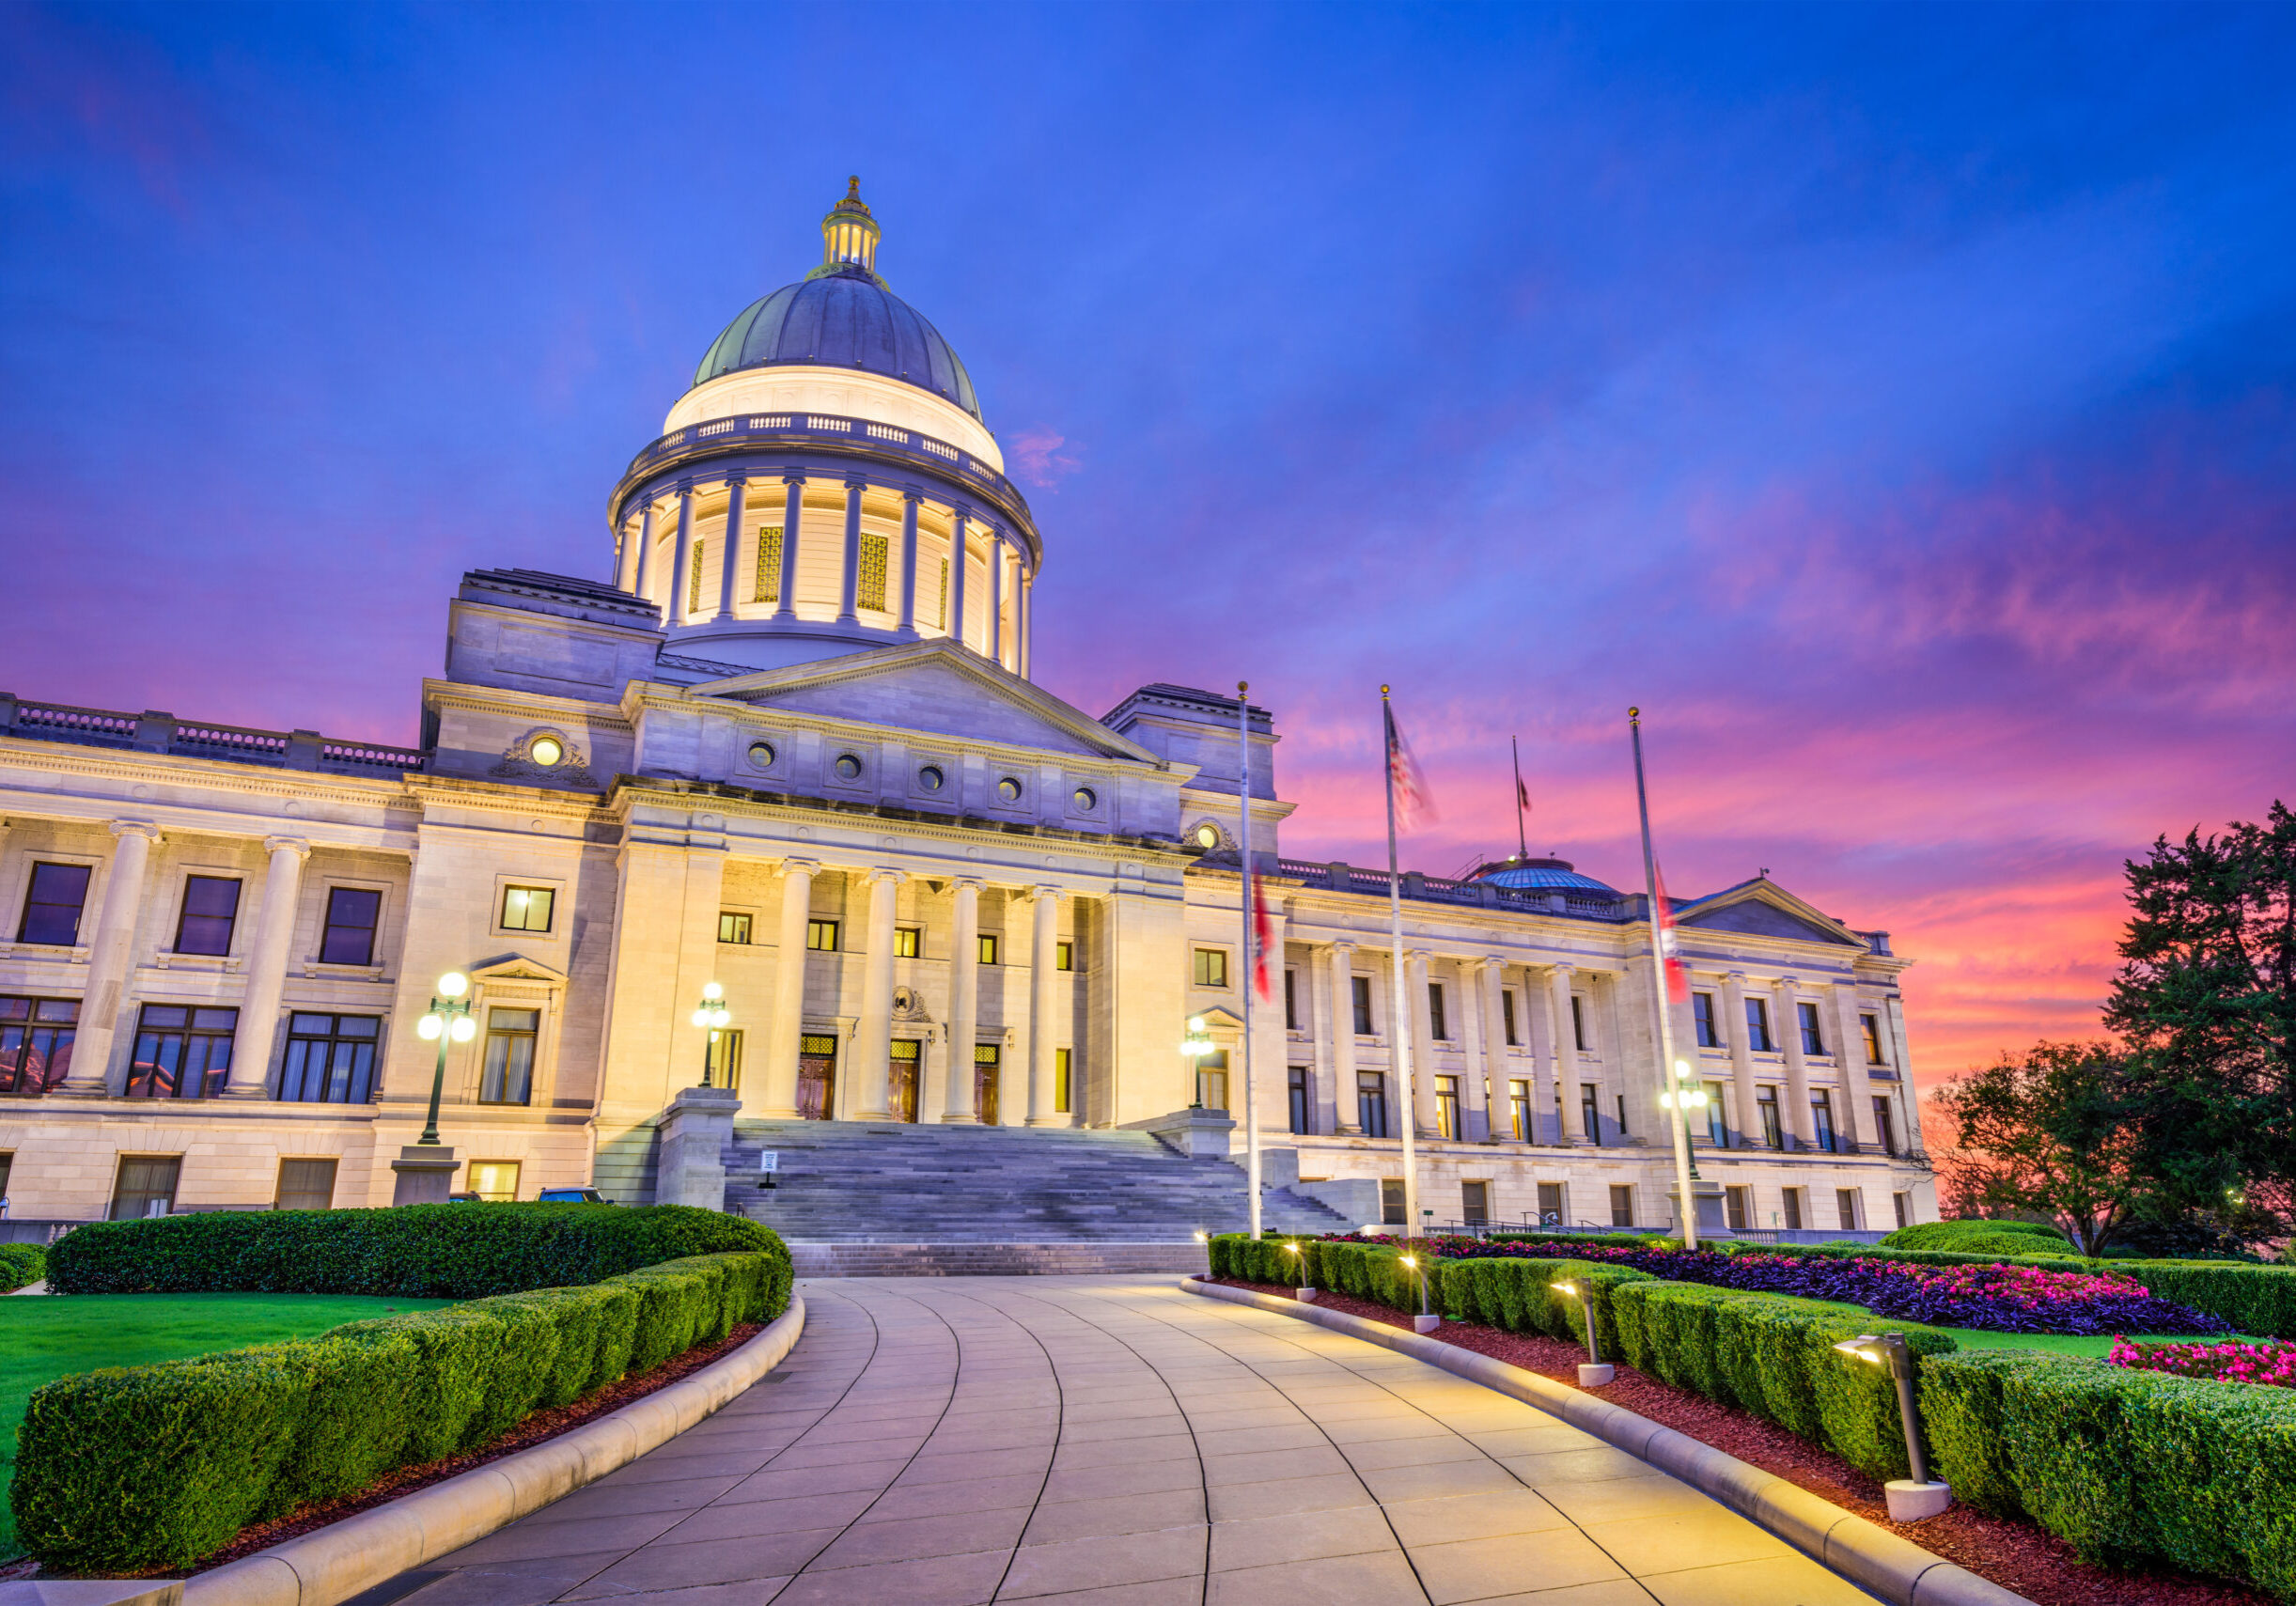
44	1337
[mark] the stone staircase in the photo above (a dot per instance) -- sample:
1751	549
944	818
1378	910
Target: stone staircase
863	1198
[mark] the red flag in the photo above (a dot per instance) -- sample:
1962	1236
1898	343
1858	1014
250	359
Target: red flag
1262	940
1413	803
1677	979
1522	795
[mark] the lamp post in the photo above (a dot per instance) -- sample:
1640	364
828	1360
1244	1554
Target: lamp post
1594	1371
1427	1320
1192	1048
449	1021
1915	1496
713	1016
1306	1291
1687	1094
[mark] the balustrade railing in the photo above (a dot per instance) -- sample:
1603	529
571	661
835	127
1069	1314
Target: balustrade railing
768	426
1341	877
157	732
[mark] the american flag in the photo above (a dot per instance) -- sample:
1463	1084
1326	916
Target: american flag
1263	938
1413	803
1677	979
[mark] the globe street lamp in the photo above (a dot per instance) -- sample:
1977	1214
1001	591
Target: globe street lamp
449	1021
1685	1095
1193	1048
714	1017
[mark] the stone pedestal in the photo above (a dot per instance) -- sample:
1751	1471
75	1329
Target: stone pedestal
426	1175
1196	1133
695	1132
1911	1502
1426	1323
1594	1374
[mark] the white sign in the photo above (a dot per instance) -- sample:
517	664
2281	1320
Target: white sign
769	1163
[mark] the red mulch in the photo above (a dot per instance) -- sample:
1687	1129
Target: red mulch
406	1480
2015	1555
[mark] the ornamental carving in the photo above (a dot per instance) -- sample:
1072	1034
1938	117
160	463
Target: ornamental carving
549	756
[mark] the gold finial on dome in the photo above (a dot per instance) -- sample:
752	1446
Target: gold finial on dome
848	236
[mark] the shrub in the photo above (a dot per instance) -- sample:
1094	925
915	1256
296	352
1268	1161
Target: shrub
456	1252
21	1265
1954	1235
138	1469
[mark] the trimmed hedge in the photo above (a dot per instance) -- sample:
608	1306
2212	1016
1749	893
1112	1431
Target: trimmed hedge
1957	1234
2127	1466
21	1265
454	1252
142	1468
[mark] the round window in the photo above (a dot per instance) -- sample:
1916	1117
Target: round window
848	767
1085	800
546	752
930	778
761	754
1009	789
1207	836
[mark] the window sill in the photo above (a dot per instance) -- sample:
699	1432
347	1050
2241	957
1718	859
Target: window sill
75	953
221	964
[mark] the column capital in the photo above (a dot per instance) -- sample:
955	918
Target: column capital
733	480
1739	977
1342	945
793	866
856	482
1491	961
295	845
1786	982
912	494
142	828
1047	892
684	489
884	873
1564	968
793	478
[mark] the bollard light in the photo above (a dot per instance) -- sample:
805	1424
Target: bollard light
1917	1496
1427	1320
1594	1372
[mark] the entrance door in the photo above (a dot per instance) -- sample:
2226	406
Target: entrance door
985	1057
904	1083
816	1078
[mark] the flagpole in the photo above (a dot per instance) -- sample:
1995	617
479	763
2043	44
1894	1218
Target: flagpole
1398	1024
1661	987
1522	841
1251	968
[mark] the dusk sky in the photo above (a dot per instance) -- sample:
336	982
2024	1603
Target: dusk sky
1895	402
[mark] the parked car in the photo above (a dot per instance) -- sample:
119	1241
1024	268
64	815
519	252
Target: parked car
572	1196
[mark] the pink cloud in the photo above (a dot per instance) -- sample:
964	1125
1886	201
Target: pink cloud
1037	458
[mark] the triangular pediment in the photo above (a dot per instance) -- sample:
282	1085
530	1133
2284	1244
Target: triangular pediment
931	686
518	966
1761	908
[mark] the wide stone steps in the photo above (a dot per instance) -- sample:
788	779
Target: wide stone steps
993	1259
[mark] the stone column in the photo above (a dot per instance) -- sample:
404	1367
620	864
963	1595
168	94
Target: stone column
996	598
1343	1039
850	589
964	997
1026	621
1422	1044
110	956
643	570
1909	1101
625	559
275	930
910	498
957	542
1786	1022
1743	1084
873	1038
1495	1045
682	559
1849	1060
792	515
776	1080
1565	1055
1042	1021
729	549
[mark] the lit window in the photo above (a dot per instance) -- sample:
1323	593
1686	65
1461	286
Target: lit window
1873	1023
1446	1107
869	586
1212	967
940	619
526	909
1062	1092
1064	956
546	752
693	580
495	1181
210	907
769	565
353	915
822	936
508	1074
1085	800
988	949
907	940
732	928
52	908
1208	837
761	754
1009	790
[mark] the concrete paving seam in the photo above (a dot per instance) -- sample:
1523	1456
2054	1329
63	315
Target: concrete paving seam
331	1564
1865	1553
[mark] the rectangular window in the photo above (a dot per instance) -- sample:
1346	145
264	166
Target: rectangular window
1391	1202
1578	1023
1212	967
1812	1043
768	564
182	1052
939	617
1360	986
1903	1205
1622	1127
1446	1107
987	949
1064	956
869	586
210	908
526	909
330	1059
732	928
723	1058
1371	1102
1717	1126
822	936
1757	1027
304	1185
35	1037
508	1074
145	1186
1506	1016
908	941
1301	1081
1590	1110
1519	1109
1884	1124
1291	1001
1872	1024
1437	1027
51	905
1734	1208
1475	1203
1846	1205
1063	1093
495	1181
1702	1015
1822	1117
1766	1102
349	937
694	579
1551	1205
1792	1197
1621	1205
1211	1080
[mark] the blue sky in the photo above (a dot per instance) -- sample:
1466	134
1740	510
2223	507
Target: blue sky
1895	402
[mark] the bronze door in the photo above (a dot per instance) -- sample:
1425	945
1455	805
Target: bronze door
816	1078
984	1083
903	1083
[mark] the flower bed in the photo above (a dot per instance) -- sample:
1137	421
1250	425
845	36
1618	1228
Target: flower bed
2236	1361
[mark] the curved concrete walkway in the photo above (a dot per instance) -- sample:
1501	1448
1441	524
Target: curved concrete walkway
942	1442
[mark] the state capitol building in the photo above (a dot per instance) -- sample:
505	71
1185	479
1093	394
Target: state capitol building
789	743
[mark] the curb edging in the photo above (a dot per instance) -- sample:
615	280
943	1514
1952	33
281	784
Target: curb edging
332	1564
1862	1551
